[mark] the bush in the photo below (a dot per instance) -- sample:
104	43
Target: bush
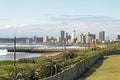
20	74
26	60
48	68
69	55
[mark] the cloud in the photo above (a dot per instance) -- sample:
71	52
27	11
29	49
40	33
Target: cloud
82	18
118	33
81	23
6	27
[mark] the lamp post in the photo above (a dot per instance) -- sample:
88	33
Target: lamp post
14	50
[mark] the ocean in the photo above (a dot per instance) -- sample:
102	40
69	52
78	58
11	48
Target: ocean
4	55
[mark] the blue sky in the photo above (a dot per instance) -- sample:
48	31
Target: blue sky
47	17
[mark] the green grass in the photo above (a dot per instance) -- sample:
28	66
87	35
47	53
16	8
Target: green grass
108	69
7	65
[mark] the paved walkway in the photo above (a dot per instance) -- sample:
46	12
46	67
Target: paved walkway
109	69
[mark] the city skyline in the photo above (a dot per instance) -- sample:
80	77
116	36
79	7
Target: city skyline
47	18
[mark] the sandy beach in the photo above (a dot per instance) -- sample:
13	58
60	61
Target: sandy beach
52	54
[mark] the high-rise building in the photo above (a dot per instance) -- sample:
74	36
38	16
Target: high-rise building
73	36
81	38
89	37
58	40
45	39
118	36
35	39
101	36
62	36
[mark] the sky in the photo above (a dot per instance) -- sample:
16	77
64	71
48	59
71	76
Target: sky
26	18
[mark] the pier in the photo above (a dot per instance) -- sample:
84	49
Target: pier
34	50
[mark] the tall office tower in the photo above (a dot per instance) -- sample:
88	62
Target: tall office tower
45	39
35	39
66	37
89	37
62	37
101	36
118	36
73	36
80	38
58	39
69	39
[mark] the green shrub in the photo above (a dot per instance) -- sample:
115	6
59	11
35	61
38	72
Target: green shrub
26	60
48	68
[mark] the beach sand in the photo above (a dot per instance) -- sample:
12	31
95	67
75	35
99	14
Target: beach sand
52	54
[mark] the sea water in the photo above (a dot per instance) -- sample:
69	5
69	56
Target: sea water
4	55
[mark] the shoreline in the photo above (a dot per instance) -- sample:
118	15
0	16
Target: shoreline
51	54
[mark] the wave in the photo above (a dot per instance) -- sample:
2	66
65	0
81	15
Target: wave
3	52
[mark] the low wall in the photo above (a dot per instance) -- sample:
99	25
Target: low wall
110	52
74	72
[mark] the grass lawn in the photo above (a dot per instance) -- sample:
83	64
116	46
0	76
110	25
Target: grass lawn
107	69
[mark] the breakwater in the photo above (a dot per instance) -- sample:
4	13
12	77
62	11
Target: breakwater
35	50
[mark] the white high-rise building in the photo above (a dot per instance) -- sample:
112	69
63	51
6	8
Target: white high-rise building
73	36
58	40
89	37
45	39
81	38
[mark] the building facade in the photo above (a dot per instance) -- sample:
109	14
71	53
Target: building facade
101	36
62	37
89	37
45	39
73	36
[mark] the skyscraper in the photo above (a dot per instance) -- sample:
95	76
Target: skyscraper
89	37
73	36
118	36
35	39
101	36
80	38
62	36
45	39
